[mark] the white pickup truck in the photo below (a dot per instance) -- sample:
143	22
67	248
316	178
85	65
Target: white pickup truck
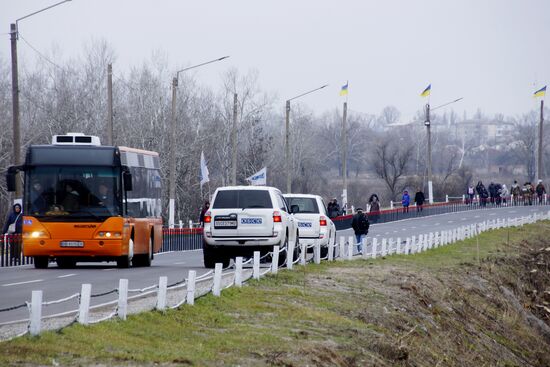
244	219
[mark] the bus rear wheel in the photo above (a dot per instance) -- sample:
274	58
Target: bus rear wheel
145	259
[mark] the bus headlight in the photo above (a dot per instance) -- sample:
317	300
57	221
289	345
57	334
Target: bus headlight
34	234
109	234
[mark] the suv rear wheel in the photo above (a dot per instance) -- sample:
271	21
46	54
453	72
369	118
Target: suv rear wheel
212	255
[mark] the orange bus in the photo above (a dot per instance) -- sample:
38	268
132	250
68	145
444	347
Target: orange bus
86	202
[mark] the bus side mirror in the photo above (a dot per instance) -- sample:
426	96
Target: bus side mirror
127	177
10	177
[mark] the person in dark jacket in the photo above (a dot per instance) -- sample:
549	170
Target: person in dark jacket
419	199
13	240
540	190
16	216
374	212
334	210
482	192
204	209
360	225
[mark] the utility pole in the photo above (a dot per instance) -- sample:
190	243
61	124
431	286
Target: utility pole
110	104
15	105
345	156
429	137
172	177
234	142
539	153
287	148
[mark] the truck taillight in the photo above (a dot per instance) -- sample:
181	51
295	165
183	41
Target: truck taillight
207	217
322	221
277	217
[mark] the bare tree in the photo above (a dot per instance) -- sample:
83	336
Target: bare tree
391	160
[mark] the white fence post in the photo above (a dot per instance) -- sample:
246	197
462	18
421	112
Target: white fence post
36	312
407	246
364	248
391	204
239	271
317	252
398	246
351	243
161	296
290	254
83	313
331	248
256	265
384	246
446	198
303	254
413	244
374	245
191	277
342	249
122	298
275	260
216	288
463	199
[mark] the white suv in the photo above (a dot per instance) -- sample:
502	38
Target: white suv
313	222
244	219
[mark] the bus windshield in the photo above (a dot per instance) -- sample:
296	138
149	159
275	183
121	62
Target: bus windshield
70	193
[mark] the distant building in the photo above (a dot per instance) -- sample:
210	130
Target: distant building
484	132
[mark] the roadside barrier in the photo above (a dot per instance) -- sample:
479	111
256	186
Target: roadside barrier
235	274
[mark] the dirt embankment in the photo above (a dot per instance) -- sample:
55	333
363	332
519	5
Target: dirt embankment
489	313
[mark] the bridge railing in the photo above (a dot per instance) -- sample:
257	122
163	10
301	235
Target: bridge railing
451	206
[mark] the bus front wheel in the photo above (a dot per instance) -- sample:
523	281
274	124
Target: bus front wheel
41	262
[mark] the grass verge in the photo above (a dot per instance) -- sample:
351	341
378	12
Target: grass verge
442	307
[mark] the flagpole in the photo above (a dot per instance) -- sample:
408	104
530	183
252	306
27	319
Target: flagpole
539	153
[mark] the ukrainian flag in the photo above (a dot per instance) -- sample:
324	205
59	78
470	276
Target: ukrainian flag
540	93
344	90
426	91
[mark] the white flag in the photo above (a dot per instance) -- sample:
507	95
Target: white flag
259	178
204	170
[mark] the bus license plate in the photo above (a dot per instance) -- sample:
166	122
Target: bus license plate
72	244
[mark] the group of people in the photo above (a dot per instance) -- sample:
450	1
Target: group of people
497	194
333	209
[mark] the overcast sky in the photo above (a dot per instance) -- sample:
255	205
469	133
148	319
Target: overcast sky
494	53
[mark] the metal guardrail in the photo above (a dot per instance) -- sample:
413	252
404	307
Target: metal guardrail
181	239
11	253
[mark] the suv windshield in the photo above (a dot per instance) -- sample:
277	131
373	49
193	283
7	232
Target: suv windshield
231	199
305	205
71	193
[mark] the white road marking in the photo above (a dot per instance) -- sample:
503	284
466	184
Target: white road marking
30	281
437	224
492	213
180	263
66	275
450	221
511	211
110	269
463	218
477	216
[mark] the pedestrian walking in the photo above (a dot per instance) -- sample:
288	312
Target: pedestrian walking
374	212
13	227
419	199
471	193
204	209
504	194
360	225
516	193
405	201
541	191
482	192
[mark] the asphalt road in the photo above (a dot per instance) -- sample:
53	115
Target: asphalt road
17	283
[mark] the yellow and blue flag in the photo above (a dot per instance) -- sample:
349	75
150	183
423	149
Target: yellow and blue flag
426	91
344	90
540	93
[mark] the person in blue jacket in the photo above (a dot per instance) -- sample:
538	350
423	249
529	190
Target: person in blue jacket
405	201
